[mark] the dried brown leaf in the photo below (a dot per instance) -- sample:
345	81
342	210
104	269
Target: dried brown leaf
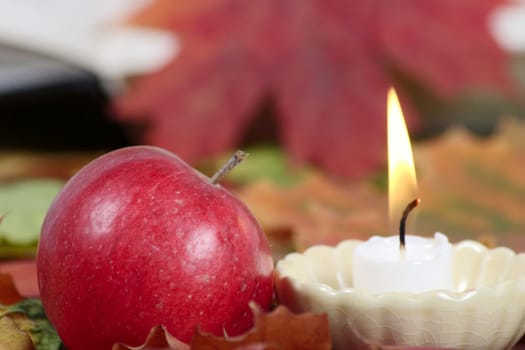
20	164
12	337
280	329
159	339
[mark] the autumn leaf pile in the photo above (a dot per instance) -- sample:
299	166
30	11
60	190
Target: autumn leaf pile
470	187
279	329
325	65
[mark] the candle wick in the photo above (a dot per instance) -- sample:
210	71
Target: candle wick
402	223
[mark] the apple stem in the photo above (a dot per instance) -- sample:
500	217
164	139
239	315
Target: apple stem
235	160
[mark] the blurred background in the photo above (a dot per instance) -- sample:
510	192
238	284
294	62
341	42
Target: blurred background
63	64
300	84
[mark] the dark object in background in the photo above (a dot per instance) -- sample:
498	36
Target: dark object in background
46	104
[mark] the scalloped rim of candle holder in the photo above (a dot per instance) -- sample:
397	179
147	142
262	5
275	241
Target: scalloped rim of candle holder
486	310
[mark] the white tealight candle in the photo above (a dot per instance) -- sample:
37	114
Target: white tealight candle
381	265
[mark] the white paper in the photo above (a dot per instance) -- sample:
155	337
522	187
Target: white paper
88	33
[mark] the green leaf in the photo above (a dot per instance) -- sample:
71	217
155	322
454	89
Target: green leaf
42	332
23	206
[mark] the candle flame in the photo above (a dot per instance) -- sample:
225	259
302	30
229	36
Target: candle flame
402	183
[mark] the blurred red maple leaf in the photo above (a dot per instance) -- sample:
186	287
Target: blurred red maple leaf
325	63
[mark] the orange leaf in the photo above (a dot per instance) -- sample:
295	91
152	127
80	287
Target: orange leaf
23	273
471	188
319	210
8	292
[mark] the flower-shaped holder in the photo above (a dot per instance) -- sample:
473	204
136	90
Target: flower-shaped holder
486	309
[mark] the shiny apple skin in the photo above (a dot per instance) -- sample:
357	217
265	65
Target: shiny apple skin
138	238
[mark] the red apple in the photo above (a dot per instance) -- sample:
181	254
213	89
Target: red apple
138	238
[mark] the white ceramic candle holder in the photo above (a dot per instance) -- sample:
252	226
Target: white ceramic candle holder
486	309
